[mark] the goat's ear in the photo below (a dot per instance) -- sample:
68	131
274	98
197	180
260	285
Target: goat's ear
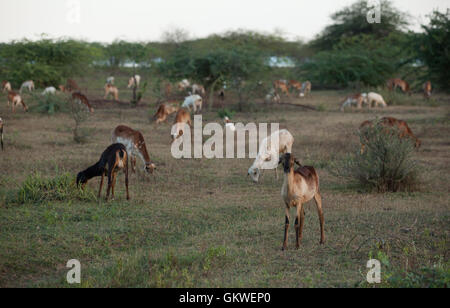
297	162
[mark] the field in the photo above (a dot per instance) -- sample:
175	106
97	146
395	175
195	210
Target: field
203	223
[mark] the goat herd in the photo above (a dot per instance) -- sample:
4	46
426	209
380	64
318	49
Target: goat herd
301	184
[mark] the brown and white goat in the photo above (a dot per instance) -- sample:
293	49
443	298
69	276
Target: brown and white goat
1	133
113	159
82	99
134	142
134	81
300	186
15	100
110	89
357	99
164	111
182	118
6	86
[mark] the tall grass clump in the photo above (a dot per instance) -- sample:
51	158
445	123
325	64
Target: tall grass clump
49	104
37	189
384	164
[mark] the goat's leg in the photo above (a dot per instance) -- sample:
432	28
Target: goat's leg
299	220
286	230
126	180
318	199
109	184
114	177
101	185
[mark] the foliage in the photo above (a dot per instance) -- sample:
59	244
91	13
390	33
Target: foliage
385	164
80	114
352	21
49	104
433	48
37	189
226	113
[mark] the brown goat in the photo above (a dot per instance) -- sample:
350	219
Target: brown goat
83	100
427	88
300	186
164	111
393	84
183	117
281	86
15	99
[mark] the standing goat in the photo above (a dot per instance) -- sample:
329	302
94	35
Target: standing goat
195	101
269	151
1	132
134	81
300	186
110	89
82	99
29	85
113	159
164	111
134	142
6	86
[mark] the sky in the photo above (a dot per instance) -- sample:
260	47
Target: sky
146	20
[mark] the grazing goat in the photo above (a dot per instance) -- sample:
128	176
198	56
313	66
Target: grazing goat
71	86
49	91
427	89
6	86
282	86
194	101
273	97
393	84
198	89
134	81
356	99
113	159
29	85
134	142
403	129
300	186
110	89
296	85
182	118
268	152
1	133
377	99
82	99
15	100
164	111
110	80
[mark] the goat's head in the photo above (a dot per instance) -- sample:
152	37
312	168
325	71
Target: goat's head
150	167
288	160
81	179
254	174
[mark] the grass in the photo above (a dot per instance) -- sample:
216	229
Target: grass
202	223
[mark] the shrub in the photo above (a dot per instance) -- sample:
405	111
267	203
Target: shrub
226	113
49	104
36	189
386	163
80	115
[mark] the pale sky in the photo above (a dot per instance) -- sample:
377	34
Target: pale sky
146	20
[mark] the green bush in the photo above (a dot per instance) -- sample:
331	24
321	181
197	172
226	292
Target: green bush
37	189
49	104
385	164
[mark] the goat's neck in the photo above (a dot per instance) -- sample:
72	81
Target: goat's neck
289	180
142	152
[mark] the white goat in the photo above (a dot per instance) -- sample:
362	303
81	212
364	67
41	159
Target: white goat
29	85
110	80
198	89
49	91
131	82
375	98
194	101
269	151
183	85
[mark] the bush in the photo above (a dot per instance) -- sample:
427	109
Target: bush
386	163
36	189
49	104
80	115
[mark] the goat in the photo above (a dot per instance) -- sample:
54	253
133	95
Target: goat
198	89
377	99
269	151
134	81
194	101
6	86
71	86
29	85
394	83
1	133
427	88
306	89
282	86
134	142
183	85
110	80
356	99
82	99
296	85
164	111
300	186
15	99
182	118
113	159
110	89
403	129
273	97
49	91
